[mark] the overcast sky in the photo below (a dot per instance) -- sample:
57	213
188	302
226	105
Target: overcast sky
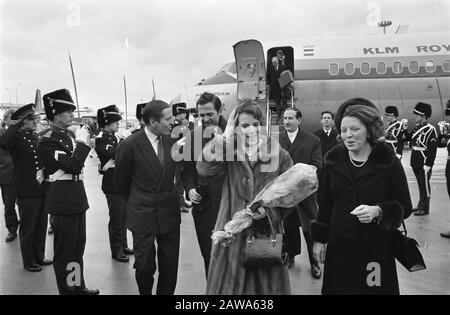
176	42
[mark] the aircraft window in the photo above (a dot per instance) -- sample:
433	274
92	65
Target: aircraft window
365	68
229	67
446	66
430	66
381	67
413	66
397	67
349	68
334	68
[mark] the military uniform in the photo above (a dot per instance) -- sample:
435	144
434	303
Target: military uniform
30	193
423	141
63	160
105	146
395	132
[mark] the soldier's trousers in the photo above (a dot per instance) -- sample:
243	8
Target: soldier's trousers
145	261
424	188
117	226
69	244
33	228
9	201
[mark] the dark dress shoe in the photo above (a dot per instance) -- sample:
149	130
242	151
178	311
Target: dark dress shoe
446	235
10	237
45	262
33	268
121	258
127	251
51	231
420	213
86	291
416	209
316	273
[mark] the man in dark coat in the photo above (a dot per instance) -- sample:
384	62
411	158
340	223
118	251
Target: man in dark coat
21	140
423	141
63	154
145	173
106	145
139	109
303	147
327	134
205	193
7	185
273	74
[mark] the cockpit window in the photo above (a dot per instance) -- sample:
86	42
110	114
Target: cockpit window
229	67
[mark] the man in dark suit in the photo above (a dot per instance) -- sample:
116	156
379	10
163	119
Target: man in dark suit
6	184
328	134
21	140
145	173
205	193
273	74
139	109
106	145
303	147
63	153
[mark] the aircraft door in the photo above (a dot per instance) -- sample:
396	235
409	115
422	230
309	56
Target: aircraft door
251	71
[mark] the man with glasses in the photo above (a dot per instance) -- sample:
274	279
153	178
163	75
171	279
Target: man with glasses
21	140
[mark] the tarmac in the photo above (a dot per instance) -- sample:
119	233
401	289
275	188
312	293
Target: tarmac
114	278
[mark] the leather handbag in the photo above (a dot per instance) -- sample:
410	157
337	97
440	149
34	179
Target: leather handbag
263	251
406	251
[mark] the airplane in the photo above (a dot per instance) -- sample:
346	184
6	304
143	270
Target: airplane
397	69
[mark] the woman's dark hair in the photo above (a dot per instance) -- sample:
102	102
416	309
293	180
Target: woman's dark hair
153	110
369	116
207	97
250	107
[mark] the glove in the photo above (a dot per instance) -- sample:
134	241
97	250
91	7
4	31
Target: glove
404	124
82	135
426	168
399	156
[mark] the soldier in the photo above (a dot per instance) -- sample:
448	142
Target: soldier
7	185
396	130
22	140
139	109
423	140
106	144
63	154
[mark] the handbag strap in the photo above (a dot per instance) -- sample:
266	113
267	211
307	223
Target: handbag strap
269	217
404	228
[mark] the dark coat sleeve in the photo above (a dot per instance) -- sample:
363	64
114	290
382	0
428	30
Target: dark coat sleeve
124	168
189	171
320	228
8	139
399	206
316	156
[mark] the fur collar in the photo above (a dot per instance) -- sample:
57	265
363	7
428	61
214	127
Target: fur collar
382	155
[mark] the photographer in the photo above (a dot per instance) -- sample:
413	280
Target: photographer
205	194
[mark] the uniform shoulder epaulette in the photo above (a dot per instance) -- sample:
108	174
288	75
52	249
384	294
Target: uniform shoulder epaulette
47	134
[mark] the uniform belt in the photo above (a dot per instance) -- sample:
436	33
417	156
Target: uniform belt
419	149
61	175
391	141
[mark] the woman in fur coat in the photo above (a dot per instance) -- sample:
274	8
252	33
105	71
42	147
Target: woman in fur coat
252	166
365	197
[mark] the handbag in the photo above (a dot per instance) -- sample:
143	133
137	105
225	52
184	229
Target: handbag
406	251
263	251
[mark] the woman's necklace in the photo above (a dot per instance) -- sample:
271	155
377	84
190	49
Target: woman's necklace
356	164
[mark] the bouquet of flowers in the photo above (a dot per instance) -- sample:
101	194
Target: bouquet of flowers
284	191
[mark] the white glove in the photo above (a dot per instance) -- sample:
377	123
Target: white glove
82	135
426	168
399	156
404	124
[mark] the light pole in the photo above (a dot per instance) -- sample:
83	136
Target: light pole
384	24
17	93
